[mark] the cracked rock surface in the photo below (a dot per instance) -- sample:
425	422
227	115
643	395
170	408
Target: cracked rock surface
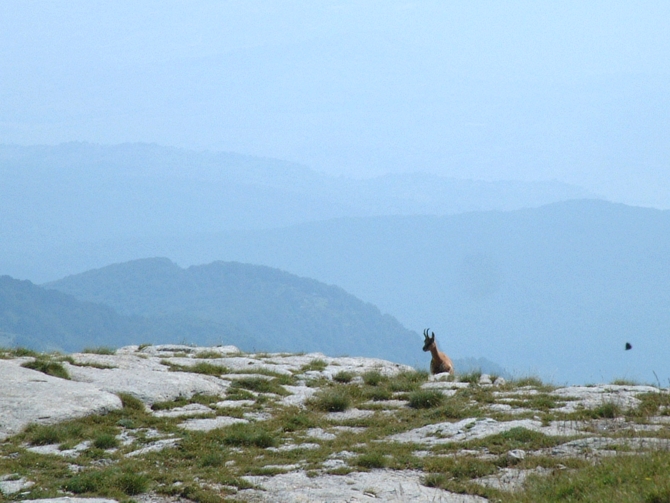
289	443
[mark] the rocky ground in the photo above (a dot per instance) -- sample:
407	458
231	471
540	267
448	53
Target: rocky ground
176	423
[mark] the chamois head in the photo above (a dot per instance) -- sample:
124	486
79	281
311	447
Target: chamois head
428	341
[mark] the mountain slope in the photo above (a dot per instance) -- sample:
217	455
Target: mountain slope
43	319
38	318
282	311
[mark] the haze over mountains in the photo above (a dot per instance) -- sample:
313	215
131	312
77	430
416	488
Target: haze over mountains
555	290
75	194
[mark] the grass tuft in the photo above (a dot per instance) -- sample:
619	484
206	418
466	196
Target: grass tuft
317	365
425	399
130	402
244	434
331	401
105	441
102	350
48	367
371	460
343	377
374	378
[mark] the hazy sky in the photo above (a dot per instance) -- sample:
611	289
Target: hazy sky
573	91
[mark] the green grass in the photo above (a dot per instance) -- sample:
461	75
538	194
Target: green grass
20	352
105	441
102	350
317	365
373	459
515	438
374	378
259	385
107	481
199	368
408	381
470	377
426	399
343	377
331	400
607	410
48	367
378	394
618	479
249	434
208	354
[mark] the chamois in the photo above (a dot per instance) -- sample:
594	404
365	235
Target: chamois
440	363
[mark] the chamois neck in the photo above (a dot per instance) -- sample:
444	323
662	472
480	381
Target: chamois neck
434	351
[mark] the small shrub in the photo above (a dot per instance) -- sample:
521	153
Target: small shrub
343	377
105	441
48	367
102	350
425	399
332	401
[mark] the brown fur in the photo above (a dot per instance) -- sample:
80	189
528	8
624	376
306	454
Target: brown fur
440	362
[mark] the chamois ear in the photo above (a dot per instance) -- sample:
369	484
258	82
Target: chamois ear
433	337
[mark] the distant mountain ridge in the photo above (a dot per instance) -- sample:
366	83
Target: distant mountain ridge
281	311
77	193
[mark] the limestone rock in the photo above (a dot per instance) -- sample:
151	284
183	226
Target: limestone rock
475	428
590	397
28	396
210	424
392	486
149	385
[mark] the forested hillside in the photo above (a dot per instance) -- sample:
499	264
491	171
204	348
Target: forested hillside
281	311
43	319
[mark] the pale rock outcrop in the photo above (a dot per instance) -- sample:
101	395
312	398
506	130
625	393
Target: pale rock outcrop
474	428
147	384
590	397
28	396
392	486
